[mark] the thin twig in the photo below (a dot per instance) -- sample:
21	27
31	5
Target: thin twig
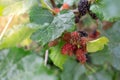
6	27
46	57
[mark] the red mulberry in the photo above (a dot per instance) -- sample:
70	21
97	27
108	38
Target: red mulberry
75	38
81	56
66	37
68	49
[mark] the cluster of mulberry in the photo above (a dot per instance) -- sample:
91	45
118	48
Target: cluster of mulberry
75	44
84	8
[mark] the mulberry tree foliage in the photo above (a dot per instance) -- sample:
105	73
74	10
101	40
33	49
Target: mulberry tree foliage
59	40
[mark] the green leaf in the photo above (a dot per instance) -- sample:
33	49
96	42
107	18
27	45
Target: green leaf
55	29
15	36
113	33
57	57
96	45
114	44
102	75
72	70
19	64
116	56
117	77
40	15
101	57
109	9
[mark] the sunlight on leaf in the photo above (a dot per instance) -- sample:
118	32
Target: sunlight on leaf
45	5
17	19
15	36
1	10
19	7
56	56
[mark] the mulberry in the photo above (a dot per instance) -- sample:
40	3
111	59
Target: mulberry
66	37
68	49
81	56
75	38
83	7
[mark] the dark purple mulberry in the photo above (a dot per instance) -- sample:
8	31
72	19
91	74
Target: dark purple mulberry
83	7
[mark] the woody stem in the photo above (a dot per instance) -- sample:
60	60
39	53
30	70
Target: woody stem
53	3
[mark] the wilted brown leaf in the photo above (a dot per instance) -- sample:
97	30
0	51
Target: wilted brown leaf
107	24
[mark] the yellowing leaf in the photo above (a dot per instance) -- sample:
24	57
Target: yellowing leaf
19	7
15	36
96	45
1	9
16	20
16	8
26	42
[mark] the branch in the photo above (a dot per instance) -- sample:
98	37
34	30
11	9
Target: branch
53	3
46	57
